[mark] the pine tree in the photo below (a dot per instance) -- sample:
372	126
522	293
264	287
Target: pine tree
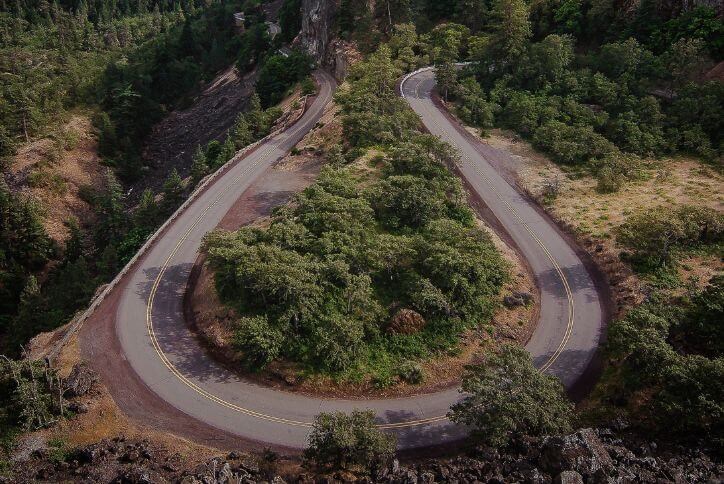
199	167
74	244
187	43
242	133
146	213
108	263
511	30
111	212
173	191
228	150
255	116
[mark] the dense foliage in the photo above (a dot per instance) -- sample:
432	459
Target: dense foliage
131	64
655	236
600	101
669	358
343	441
507	395
600	108
279	73
339	276
657	25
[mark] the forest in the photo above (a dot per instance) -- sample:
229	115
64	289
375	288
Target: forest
130	65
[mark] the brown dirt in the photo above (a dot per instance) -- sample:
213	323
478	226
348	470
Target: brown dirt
53	169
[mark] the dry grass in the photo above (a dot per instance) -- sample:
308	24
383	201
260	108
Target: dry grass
52	169
104	420
594	216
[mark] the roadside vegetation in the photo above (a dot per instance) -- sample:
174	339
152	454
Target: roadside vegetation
611	94
130	65
375	266
667	365
507	396
349	441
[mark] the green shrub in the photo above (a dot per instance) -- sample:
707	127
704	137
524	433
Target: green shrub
670	350
572	144
348	441
655	234
507	395
412	373
259	342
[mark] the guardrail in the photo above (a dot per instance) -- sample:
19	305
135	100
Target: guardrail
77	321
423	69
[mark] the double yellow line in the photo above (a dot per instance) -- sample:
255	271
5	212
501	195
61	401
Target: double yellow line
514	212
271	418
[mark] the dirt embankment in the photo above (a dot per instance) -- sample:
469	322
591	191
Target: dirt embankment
174	140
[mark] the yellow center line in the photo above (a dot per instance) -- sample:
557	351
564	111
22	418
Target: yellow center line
271	418
516	214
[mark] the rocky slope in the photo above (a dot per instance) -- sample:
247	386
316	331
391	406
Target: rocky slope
589	455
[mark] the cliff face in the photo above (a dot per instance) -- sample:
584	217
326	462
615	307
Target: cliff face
318	37
317	27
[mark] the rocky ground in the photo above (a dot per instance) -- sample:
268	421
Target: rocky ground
589	455
211	115
597	455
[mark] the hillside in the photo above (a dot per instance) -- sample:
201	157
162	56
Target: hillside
507	268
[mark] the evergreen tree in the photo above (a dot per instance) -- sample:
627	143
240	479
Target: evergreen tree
290	19
511	31
146	214
111	213
199	166
173	191
243	135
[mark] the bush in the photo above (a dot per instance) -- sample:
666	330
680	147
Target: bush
343	441
572	144
655	234
615	170
260	343
308	87
670	351
412	373
507	395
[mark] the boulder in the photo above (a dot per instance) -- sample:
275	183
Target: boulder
582	452
80	381
406	321
568	477
517	299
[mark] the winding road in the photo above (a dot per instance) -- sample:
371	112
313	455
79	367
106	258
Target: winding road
171	363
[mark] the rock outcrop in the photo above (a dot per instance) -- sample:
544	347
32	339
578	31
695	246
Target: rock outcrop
80	381
589	455
406	321
317	28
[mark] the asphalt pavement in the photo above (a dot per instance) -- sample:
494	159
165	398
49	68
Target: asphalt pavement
172	363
